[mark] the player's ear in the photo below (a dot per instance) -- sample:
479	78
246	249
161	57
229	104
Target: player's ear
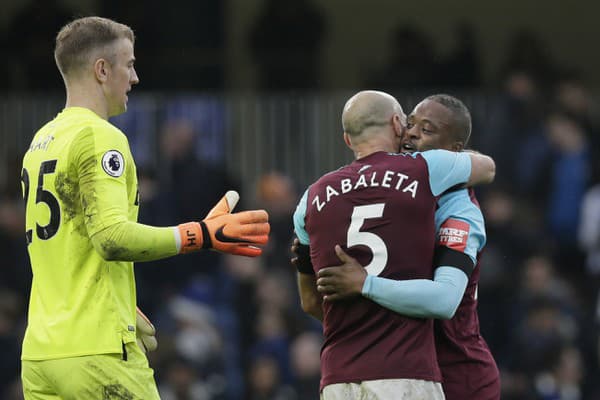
458	146
101	68
398	124
347	140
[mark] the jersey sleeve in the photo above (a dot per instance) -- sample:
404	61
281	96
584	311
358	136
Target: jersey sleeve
459	224
422	298
101	159
446	169
100	163
299	215
130	241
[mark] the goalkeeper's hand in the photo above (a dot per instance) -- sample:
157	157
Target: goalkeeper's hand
145	332
234	233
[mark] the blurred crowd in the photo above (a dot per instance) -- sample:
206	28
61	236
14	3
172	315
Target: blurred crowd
232	328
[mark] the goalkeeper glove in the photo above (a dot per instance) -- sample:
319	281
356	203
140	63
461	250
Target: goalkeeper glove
144	332
237	233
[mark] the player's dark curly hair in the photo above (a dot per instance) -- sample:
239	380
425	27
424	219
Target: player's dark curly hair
460	112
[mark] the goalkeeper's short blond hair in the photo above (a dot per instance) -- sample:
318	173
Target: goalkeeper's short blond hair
83	38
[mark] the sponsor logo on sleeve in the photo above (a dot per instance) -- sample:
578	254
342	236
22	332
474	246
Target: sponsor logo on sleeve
454	234
112	163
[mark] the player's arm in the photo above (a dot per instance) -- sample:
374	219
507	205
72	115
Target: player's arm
310	299
460	237
105	206
424	298
238	234
449	169
483	168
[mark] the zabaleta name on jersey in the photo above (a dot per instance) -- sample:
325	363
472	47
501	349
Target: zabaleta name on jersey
389	179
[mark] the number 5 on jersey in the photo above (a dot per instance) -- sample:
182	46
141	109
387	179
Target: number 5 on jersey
42	196
372	241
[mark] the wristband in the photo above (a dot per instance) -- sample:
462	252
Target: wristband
191	235
303	263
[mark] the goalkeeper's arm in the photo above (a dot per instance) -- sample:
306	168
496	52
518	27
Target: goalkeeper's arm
238	233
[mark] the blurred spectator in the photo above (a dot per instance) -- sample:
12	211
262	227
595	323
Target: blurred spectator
286	43
195	38
30	45
589	227
573	98
569	177
589	242
15	272
563	379
542	329
462	68
540	280
553	170
411	62
306	364
264	381
272	339
150	276
512	233
529	54
140	14
546	317
515	115
181	382
276	193
193	187
11	311
198	353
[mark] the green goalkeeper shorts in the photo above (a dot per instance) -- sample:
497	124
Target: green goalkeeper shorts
95	377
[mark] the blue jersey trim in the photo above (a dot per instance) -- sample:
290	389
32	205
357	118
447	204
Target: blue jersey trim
446	169
299	216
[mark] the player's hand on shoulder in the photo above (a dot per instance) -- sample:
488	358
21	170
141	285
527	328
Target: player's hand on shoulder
342	281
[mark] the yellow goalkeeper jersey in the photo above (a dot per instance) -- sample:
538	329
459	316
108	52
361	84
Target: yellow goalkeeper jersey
79	167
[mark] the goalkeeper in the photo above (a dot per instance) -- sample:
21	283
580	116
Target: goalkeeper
80	189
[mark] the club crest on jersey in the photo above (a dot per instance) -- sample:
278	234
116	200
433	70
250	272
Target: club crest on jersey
112	163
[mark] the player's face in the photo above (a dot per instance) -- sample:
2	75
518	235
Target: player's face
122	77
429	126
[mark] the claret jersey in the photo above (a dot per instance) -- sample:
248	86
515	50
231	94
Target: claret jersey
466	362
380	209
77	167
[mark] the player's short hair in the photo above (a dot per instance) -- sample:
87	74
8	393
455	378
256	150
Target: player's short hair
460	112
80	38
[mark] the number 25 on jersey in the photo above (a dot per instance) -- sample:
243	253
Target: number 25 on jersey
42	195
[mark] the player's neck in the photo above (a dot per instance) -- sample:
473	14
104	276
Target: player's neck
90	98
367	148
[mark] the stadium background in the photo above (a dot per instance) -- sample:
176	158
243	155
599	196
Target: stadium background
248	94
